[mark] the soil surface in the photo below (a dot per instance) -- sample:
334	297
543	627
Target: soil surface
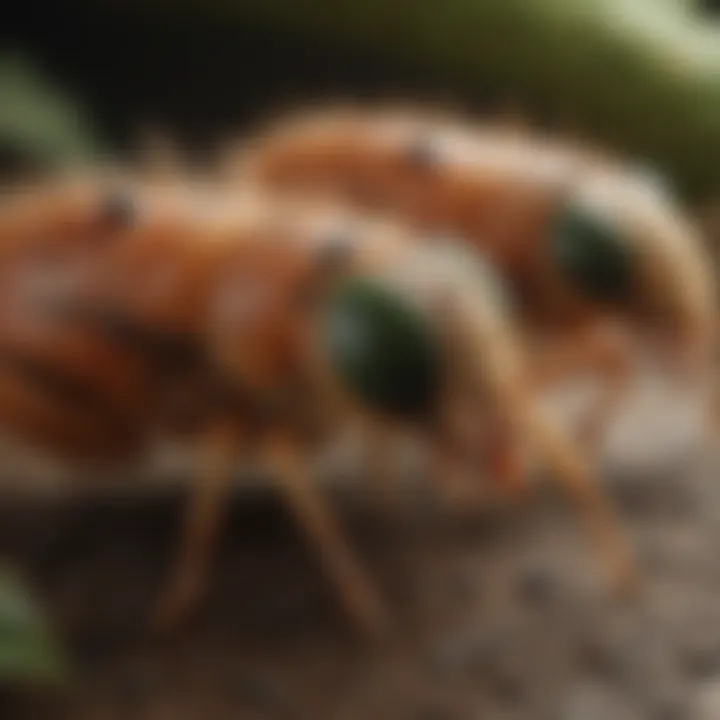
504	614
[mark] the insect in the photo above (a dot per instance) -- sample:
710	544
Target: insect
599	259
253	326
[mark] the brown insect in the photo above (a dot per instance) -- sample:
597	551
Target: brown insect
254	326
598	257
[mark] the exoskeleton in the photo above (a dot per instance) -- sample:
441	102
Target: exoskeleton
600	260
249	325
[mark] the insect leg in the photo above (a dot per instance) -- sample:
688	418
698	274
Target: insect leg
617	374
380	440
507	377
495	448
572	473
204	517
603	350
506	461
356	591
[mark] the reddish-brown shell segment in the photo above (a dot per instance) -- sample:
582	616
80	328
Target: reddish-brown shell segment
500	190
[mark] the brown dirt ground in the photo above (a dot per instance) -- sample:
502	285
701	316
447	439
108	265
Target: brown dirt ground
501	615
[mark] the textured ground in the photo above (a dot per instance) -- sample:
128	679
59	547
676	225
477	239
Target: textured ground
501	616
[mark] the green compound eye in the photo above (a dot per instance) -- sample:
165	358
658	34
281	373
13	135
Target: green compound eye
383	349
593	255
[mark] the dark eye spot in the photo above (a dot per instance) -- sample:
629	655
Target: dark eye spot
118	210
422	154
383	349
592	254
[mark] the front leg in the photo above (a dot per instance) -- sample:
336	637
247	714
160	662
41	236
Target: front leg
470	437
356	591
602	349
381	470
573	474
506	373
202	524
616	369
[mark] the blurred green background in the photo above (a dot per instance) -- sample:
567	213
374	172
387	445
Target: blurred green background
639	75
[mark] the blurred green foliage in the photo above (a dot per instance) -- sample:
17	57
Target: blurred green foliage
37	120
29	654
642	76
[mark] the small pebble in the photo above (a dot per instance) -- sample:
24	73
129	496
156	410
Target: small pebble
537	585
703	661
473	651
602	657
505	681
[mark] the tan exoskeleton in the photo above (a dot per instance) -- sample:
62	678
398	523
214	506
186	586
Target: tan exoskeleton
598	256
251	326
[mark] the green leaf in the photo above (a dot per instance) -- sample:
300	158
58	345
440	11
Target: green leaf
29	653
39	121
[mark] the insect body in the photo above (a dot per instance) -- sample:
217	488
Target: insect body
589	246
254	326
